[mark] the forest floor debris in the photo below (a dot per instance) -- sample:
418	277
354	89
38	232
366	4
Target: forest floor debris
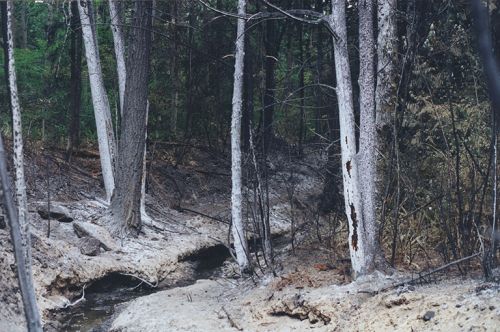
312	290
219	305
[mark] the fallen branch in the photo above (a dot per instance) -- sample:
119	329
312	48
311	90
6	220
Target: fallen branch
143	280
423	275
67	305
231	321
205	215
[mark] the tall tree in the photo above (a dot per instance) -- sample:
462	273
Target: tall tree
352	195
357	167
75	93
239	235
17	131
125	204
386	63
100	100
116	28
23	265
119	43
271	45
368	142
18	222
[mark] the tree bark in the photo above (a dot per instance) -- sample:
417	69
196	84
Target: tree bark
76	81
100	100
368	145
18	222
352	194
23	265
17	133
125	204
386	63
238	229
116	28
248	84
175	69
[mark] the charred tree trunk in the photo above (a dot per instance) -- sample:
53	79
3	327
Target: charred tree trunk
248	85
352	195
23	265
116	28
358	169
17	132
302	115
100	100
239	234
75	93
175	72
125	204
368	143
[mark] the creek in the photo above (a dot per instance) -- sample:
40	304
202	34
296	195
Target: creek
105	296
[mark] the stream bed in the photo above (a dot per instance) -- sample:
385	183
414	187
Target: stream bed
104	297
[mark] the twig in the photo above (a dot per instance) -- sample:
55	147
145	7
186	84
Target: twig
205	215
231	321
143	280
77	301
424	275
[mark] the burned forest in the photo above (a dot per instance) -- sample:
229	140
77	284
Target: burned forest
249	165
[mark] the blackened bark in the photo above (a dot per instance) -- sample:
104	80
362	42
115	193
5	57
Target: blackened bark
125	203
76	81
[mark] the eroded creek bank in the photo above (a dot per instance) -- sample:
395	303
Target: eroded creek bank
103	299
174	250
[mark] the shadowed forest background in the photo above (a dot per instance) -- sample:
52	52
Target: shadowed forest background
436	158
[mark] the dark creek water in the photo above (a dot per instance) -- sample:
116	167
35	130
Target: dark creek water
104	297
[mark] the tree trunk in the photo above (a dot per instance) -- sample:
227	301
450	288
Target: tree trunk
125	204
76	81
319	72
18	222
116	28
386	56
368	147
144	215
188	124
248	84
175	72
116	24
23	265
239	235
100	101
302	96
17	133
352	194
